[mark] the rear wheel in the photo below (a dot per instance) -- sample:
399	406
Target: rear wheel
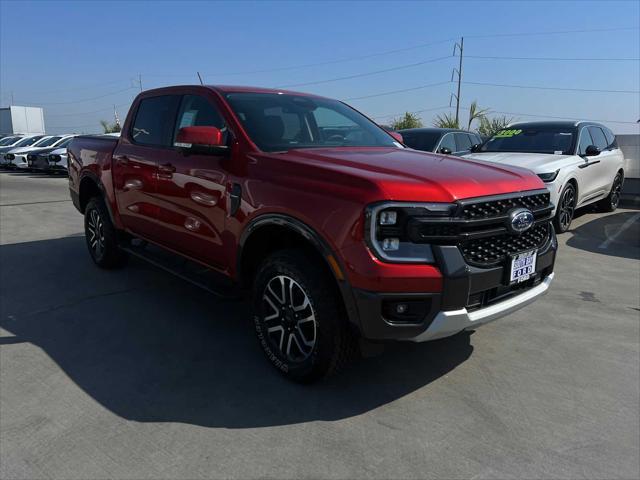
101	236
299	319
566	209
610	203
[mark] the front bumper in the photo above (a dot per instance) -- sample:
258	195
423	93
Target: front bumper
470	297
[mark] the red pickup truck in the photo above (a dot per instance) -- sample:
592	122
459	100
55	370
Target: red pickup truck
335	229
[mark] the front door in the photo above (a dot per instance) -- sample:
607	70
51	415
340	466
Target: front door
191	190
135	164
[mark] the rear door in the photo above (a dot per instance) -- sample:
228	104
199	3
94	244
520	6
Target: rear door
606	162
136	160
191	188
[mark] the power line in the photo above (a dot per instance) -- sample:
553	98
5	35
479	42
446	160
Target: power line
317	64
563	59
561	118
87	113
392	92
414	111
535	87
556	32
83	100
359	75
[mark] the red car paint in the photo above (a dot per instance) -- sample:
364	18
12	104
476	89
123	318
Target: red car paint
182	202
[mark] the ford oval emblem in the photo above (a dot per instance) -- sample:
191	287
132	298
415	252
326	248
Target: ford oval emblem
520	220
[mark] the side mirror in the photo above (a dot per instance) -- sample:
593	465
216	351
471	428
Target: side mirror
444	151
397	136
476	147
210	136
592	151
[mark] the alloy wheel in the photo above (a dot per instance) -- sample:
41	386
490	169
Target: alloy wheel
567	208
615	191
95	229
289	318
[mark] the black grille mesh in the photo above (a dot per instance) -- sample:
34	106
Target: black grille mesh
497	208
496	249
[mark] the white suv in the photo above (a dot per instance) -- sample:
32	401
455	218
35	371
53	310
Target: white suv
579	162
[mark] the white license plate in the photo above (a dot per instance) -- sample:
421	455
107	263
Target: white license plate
523	265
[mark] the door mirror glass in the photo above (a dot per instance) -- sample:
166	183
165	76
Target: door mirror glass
475	147
445	151
592	151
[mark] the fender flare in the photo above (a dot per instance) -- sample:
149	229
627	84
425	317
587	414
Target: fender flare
317	241
88	175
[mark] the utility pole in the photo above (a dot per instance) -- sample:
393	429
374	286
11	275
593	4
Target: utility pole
140	80
460	47
199	77
115	116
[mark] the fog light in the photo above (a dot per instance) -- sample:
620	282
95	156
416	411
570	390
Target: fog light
402	308
388	217
390	244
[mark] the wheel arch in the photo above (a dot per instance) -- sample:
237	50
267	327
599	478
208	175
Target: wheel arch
271	232
91	186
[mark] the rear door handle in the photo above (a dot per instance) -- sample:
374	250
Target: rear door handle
166	168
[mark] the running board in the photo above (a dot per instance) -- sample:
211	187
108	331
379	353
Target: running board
187	270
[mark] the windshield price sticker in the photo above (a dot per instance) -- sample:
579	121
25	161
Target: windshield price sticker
507	133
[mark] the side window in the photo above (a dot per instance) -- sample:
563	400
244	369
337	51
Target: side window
599	139
153	124
462	142
475	140
611	138
291	123
585	141
196	111
448	142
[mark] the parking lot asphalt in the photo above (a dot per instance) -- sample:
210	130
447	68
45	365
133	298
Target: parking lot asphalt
137	374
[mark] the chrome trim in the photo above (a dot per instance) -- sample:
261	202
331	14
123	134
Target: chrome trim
451	322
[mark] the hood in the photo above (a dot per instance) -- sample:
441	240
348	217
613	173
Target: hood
21	150
410	175
43	150
538	162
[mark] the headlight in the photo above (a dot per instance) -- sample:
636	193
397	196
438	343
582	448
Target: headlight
548	177
387	230
54	158
9	156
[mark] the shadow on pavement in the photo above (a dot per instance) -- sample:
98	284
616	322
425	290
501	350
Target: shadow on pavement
617	234
152	348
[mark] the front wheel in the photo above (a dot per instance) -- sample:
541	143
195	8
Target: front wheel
299	319
100	235
610	203
566	209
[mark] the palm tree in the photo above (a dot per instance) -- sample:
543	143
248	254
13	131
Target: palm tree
446	120
476	113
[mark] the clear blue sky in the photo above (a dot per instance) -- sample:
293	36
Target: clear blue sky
62	55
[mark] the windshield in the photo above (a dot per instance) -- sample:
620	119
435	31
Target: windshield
47	142
532	140
64	142
8	141
425	141
28	141
279	122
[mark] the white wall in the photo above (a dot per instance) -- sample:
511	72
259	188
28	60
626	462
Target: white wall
630	146
25	120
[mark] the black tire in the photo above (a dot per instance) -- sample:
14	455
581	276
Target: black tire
101	236
304	344
566	209
611	202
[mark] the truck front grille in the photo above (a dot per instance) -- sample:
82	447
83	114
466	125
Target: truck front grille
488	251
480	227
500	207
